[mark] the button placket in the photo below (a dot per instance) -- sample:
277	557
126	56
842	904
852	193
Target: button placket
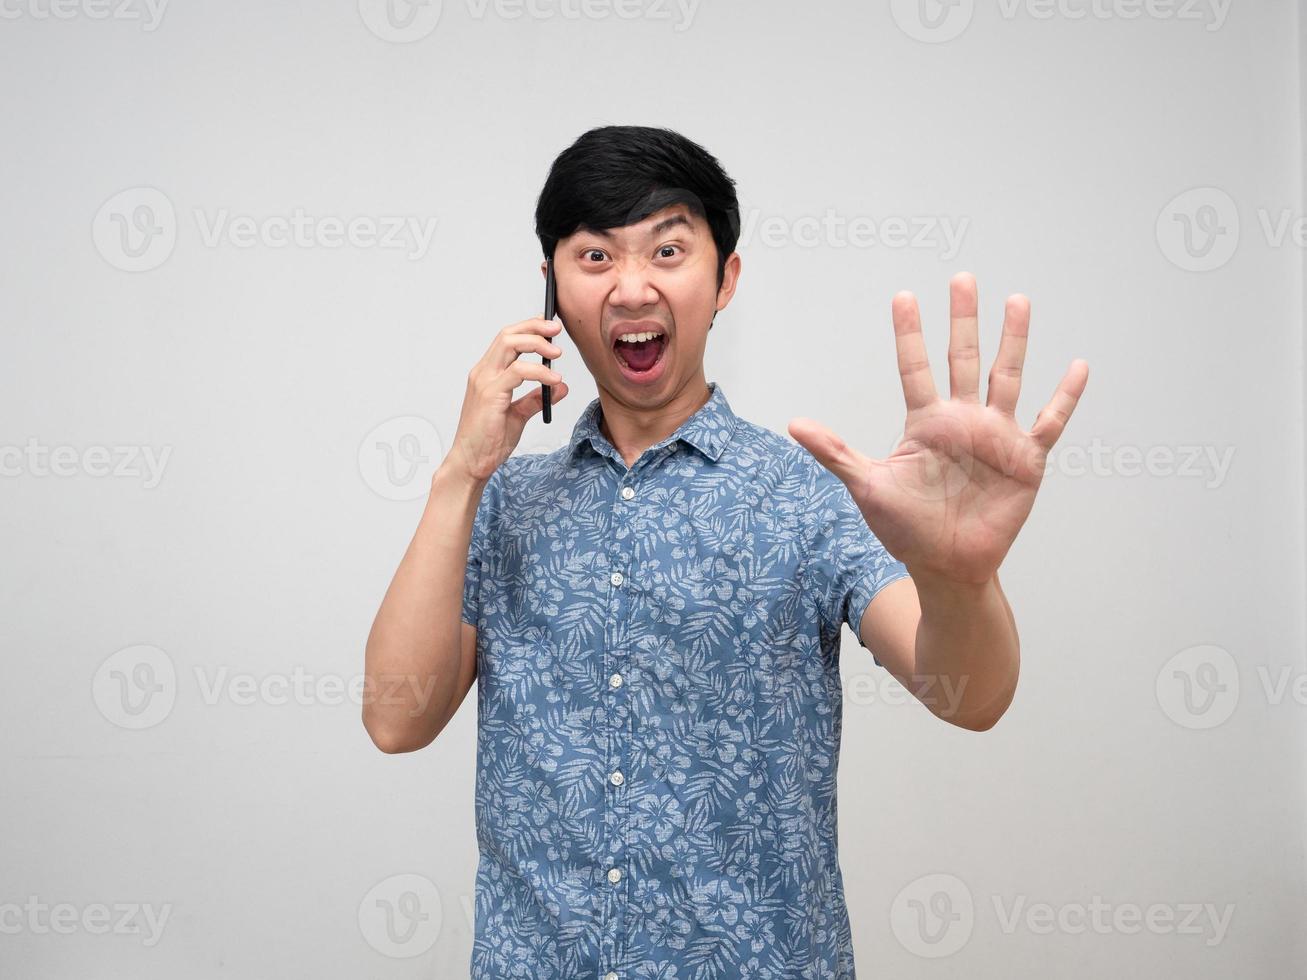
615	803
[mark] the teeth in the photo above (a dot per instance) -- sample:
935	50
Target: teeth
635	338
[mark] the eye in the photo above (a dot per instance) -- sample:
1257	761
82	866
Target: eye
663	249
590	253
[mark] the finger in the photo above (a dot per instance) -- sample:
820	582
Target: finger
1054	416
914	368
534	400
851	466
535	324
538	326
1005	376
963	340
520	371
508	347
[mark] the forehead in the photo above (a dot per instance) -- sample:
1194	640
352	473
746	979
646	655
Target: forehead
674	217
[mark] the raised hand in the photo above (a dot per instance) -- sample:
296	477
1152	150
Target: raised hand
491	422
950	499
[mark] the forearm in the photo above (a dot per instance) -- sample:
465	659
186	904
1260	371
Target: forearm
967	644
414	650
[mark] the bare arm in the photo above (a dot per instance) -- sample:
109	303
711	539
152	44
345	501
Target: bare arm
961	659
420	656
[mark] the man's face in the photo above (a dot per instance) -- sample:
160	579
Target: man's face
656	276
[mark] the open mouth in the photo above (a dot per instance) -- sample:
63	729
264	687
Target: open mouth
640	356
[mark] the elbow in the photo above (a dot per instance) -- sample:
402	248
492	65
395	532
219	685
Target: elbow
978	722
392	740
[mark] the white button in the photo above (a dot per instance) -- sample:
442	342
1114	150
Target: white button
616	578
617	779
615	680
615	875
628	493
610	975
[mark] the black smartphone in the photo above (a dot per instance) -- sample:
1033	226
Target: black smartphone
551	304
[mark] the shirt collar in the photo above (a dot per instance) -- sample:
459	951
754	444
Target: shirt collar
708	430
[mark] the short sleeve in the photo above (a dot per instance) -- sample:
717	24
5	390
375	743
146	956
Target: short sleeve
478	550
846	565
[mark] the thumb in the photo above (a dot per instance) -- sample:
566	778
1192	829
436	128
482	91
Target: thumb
832	452
533	402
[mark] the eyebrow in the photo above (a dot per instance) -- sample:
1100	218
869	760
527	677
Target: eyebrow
658	229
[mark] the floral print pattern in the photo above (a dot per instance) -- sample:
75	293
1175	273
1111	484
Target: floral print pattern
659	706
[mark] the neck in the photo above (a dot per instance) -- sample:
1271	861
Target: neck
634	428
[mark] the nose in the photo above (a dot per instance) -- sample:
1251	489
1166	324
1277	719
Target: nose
634	290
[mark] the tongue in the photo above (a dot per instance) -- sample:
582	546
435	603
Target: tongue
641	356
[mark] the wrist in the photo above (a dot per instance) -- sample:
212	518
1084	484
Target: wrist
933	587
450	478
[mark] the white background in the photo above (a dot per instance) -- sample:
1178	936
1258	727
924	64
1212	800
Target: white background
1061	135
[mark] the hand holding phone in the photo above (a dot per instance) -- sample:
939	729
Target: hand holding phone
491	422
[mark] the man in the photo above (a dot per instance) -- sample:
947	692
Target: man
653	612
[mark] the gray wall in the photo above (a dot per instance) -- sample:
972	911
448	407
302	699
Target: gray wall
259	407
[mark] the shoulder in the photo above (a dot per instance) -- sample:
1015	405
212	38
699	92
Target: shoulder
797	470
534	479
755	446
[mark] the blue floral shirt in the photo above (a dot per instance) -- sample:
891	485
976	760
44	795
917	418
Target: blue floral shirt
659	706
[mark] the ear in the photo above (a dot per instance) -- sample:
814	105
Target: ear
544	268
730	279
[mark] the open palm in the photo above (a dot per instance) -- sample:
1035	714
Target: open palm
952	496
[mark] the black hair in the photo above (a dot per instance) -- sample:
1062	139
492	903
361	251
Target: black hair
615	176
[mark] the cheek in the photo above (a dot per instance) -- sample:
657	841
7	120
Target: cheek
692	310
